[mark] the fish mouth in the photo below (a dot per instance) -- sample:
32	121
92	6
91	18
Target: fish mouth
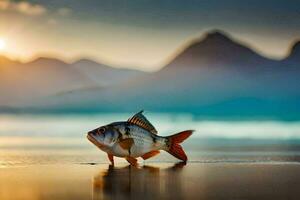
93	140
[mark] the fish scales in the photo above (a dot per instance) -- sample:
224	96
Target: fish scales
135	138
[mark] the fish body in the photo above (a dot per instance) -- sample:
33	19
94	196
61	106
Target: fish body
135	138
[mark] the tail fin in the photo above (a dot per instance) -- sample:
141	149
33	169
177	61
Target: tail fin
174	147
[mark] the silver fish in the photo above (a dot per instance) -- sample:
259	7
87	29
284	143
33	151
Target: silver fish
135	138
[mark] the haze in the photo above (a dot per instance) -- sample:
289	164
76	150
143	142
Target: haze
140	34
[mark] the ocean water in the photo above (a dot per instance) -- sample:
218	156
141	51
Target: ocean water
48	157
61	139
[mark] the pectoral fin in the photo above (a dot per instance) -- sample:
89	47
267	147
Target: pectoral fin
126	143
150	154
111	158
132	161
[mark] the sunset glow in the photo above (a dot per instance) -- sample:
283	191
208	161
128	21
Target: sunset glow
139	34
2	44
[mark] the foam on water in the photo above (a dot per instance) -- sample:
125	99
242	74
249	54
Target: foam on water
56	139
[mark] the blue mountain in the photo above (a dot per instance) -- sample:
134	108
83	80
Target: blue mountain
213	76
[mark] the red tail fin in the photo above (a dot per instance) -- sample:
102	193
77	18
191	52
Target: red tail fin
174	147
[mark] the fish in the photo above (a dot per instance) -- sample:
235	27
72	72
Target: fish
135	138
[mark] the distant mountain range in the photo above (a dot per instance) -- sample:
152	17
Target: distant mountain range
46	77
215	76
104	75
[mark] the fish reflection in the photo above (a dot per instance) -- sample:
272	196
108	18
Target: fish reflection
138	183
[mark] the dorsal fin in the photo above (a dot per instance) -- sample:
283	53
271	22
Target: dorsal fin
140	120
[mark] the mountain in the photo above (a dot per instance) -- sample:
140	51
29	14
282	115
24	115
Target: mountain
217	49
41	77
44	77
4	61
105	75
294	56
214	76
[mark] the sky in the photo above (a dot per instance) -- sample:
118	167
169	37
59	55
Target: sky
141	34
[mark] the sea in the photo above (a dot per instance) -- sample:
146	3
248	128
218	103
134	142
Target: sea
40	139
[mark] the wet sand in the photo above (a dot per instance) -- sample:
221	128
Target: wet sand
151	181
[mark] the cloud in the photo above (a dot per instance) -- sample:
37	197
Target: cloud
23	7
60	12
64	11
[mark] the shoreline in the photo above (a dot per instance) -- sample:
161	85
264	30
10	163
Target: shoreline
152	180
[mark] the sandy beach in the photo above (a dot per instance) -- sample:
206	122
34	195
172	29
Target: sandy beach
49	158
151	181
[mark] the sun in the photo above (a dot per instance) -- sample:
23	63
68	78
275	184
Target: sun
2	44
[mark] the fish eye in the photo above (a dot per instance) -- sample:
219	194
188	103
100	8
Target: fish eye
101	130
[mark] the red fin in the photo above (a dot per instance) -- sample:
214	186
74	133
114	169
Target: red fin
180	137
111	158
150	154
132	161
177	151
174	144
126	143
